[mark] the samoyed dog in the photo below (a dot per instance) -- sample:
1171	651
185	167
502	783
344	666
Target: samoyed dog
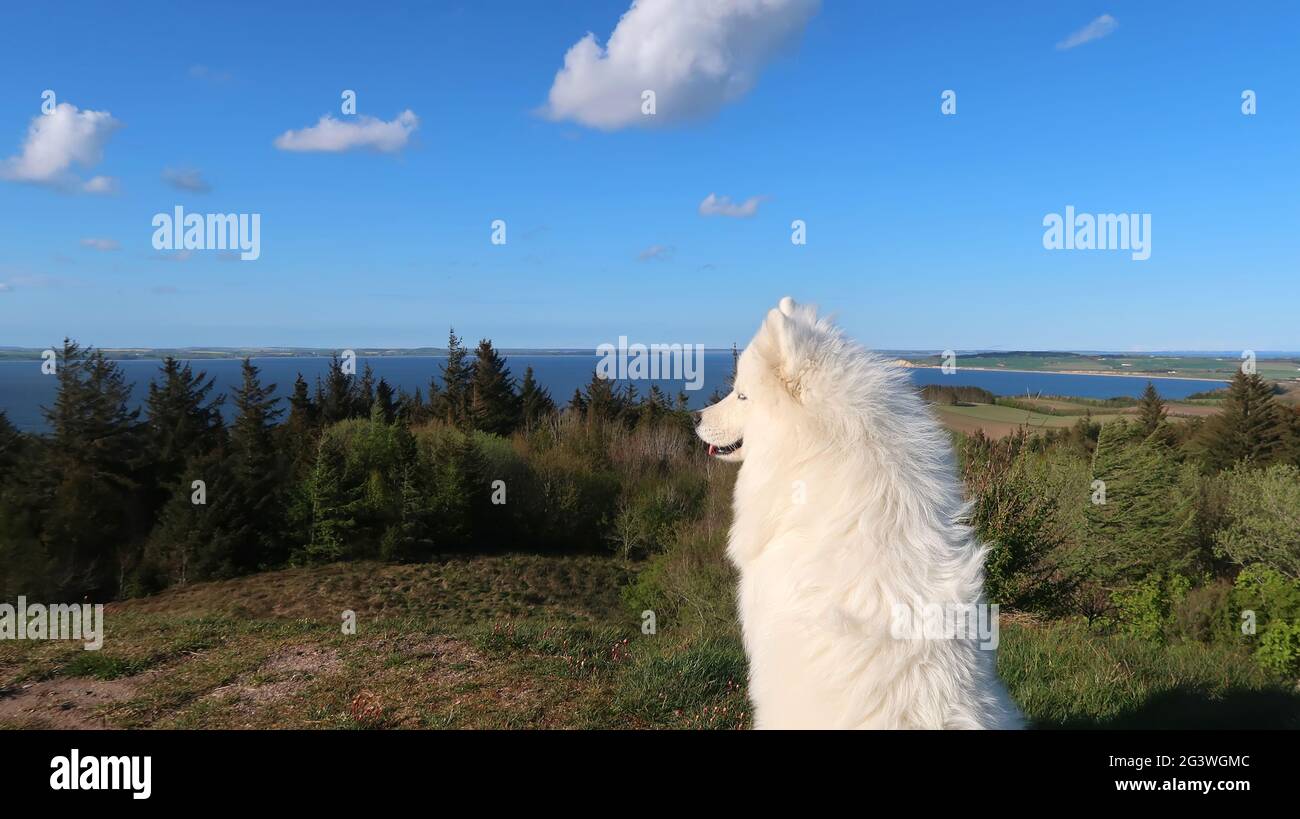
847	534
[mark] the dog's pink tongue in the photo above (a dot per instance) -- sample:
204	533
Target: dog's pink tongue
712	449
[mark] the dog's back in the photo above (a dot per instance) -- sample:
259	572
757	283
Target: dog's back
848	512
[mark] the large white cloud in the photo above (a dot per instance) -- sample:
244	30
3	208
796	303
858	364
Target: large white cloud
57	140
333	135
695	55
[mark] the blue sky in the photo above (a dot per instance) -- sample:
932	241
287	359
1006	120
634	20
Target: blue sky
924	230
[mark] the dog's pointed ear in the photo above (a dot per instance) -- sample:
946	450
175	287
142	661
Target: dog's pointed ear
783	337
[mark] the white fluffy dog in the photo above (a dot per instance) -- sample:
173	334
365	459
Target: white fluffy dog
847	506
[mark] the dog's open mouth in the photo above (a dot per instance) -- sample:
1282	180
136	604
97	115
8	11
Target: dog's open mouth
725	450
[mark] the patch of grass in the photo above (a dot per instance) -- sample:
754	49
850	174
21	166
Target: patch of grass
697	685
101	666
423	668
1065	675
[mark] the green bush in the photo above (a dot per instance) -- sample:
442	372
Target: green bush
1264	597
1279	648
647	521
1264	514
1145	609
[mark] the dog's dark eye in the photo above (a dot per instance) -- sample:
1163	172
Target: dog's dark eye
741	396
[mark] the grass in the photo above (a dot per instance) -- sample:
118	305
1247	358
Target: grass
1065	676
526	641
997	420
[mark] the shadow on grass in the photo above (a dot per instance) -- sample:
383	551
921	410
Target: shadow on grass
1190	708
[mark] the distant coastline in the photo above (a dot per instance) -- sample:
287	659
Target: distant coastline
1147	375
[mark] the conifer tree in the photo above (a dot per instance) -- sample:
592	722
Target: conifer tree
385	399
337	399
601	401
1138	520
365	393
253	508
1250	426
182	423
494	406
534	400
1151	410
11	444
453	402
301	429
92	484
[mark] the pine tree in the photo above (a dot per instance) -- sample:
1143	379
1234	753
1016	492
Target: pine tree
301	429
654	408
601	401
1151	410
453	403
1250	426
182	423
337	401
1138	520
411	409
385	399
577	403
494	406
364	396
254	514
95	513
534	400
11	445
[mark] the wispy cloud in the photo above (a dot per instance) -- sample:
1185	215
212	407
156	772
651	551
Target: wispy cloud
38	281
1101	27
186	179
57	140
102	245
714	205
656	252
100	184
333	136
206	74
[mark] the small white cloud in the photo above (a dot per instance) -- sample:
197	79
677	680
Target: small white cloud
714	205
695	56
659	252
103	245
100	184
5	288
186	179
332	135
202	72
57	140
31	282
1101	27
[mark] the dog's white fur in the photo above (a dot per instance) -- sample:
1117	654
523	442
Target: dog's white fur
847	502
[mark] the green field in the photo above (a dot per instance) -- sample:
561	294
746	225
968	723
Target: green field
1221	367
526	641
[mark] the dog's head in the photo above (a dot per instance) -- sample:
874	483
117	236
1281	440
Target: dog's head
771	387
